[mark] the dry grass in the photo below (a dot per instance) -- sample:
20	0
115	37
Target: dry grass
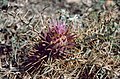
97	51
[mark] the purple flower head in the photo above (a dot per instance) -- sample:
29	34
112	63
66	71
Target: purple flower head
54	43
59	27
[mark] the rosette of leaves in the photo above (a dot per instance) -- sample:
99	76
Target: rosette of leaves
54	44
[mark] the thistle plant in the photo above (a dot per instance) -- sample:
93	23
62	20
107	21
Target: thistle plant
54	44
